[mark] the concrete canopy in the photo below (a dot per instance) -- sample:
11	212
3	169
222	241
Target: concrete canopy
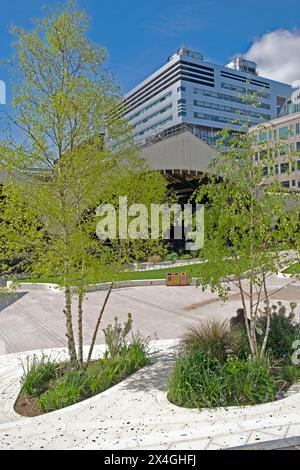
183	152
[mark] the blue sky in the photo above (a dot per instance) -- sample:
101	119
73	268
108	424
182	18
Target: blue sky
140	35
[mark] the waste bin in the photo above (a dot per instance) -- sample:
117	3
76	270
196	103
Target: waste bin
177	279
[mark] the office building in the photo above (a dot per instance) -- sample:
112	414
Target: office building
189	91
283	133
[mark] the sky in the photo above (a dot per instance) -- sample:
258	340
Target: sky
140	35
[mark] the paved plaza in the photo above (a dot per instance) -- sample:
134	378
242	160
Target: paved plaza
134	414
33	319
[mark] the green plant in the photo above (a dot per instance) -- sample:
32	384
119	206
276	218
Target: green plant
195	253
103	374
109	371
249	382
57	385
66	391
135	355
239	344
246	217
211	337
115	335
186	256
171	257
74	385
196	381
284	330
290	373
200	380
37	373
61	101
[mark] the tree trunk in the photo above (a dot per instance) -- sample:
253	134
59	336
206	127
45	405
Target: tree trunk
252	321
98	324
267	332
69	325
80	329
246	318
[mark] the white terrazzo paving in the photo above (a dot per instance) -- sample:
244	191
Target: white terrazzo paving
136	414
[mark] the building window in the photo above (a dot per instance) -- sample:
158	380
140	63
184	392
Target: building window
284	149
245	90
218	118
181	113
293	183
264	154
230	109
263	137
284	167
285	184
283	132
181	88
154	127
154	115
182	100
150	105
272	134
297	128
224	96
276	170
297	146
298	164
265	171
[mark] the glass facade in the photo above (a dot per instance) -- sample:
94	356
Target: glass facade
234	98
230	109
154	127
154	115
292	104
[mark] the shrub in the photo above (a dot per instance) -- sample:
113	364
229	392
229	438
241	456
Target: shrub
115	336
58	385
283	330
76	385
239	343
67	391
216	368
249	382
290	373
171	257
195	253
196	381
102	375
211	337
186	256
110	370
136	354
200	380
37	373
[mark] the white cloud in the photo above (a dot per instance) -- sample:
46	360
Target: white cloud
277	55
